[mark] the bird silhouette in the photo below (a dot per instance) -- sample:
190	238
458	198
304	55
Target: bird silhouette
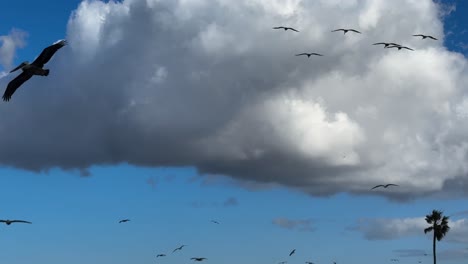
386	44
179	248
425	36
161	255
124	221
286	28
198	259
309	262
292	252
309	54
394	260
385	186
216	222
345	30
9	222
399	47
282	262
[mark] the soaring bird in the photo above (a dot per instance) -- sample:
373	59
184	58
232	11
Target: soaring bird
292	252
309	262
425	36
179	248
386	44
198	259
124	221
309	54
394	260
345	30
9	222
399	47
35	68
216	222
282	262
385	186
286	28
161	255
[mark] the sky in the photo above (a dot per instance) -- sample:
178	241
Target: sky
173	113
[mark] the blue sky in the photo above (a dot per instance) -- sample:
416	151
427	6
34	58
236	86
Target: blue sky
75	216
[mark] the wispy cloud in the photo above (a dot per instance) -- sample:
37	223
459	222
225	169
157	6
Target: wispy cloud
300	224
9	44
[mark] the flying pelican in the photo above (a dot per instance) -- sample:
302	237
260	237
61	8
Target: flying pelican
399	47
179	248
124	221
161	255
198	259
309	54
346	30
425	36
286	28
393	259
386	44
385	186
216	222
309	262
292	252
9	222
35	68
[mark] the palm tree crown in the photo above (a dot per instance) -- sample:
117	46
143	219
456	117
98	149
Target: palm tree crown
439	225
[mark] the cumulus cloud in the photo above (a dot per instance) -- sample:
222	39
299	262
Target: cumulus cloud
187	83
396	228
300	225
8	45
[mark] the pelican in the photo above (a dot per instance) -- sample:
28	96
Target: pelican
216	222
161	255
286	28
346	30
179	248
399	47
386	44
385	186
9	222
35	68
309	262
198	259
309	54
425	36
282	262
124	221
292	252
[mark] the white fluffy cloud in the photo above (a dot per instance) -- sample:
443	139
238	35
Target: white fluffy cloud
387	229
187	83
8	46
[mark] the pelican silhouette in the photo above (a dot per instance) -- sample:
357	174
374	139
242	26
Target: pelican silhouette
286	28
161	255
309	54
386	44
35	68
179	248
198	259
309	262
282	262
345	30
216	222
124	221
385	186
425	36
292	252
9	222
399	47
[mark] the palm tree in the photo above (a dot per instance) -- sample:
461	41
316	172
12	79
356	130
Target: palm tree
439	225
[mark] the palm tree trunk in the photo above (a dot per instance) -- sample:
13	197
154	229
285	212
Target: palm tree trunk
434	246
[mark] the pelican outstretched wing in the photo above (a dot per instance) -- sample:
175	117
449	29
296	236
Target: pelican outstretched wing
48	52
377	186
20	221
15	84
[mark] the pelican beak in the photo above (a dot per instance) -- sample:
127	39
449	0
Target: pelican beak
17	68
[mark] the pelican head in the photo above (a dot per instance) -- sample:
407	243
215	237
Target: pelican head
24	63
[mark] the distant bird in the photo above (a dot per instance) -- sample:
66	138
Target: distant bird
419	261
346	30
35	68
161	255
309	54
9	222
386	44
179	248
425	36
198	259
425	254
124	221
216	222
394	260
385	186
309	262
282	262
399	47
286	28
292	252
